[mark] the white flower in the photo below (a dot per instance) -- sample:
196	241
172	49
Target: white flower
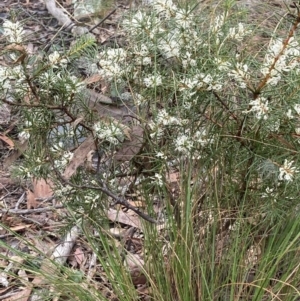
286	172
260	107
217	24
239	32
183	144
109	132
112	63
23	136
297	108
75	85
152	81
170	46
64	160
163	118
164	7
273	126
13	31
183	18
289	114
223	65
284	58
240	74
161	155
55	59
159	179
138	23
202	137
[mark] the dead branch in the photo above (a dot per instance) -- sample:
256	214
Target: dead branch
29	211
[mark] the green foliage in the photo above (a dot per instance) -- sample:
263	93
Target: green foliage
222	117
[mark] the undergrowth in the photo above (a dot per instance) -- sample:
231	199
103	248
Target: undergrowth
198	103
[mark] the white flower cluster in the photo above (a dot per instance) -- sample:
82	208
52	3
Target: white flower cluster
71	83
113	63
260	107
186	143
64	191
160	122
280	59
152	81
168	29
239	73
164	7
200	81
216	26
287	171
56	60
63	161
142	55
74	85
13	31
64	156
109	132
238	33
158	178
13	82
139	22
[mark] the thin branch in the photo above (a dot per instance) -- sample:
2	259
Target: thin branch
117	199
225	106
29	211
285	43
103	20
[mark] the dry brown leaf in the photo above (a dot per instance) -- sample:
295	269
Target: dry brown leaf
173	177
137	276
4	181
8	141
20	296
79	157
93	79
77	121
32	203
122	217
20	227
19	150
42	188
131	148
5	113
79	255
100	104
137	204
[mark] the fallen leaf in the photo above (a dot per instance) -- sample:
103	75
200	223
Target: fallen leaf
20	227
18	151
8	141
131	148
79	255
4	113
23	295
79	157
32	203
122	217
42	188
93	79
137	276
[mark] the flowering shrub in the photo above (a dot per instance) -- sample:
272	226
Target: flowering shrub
232	116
